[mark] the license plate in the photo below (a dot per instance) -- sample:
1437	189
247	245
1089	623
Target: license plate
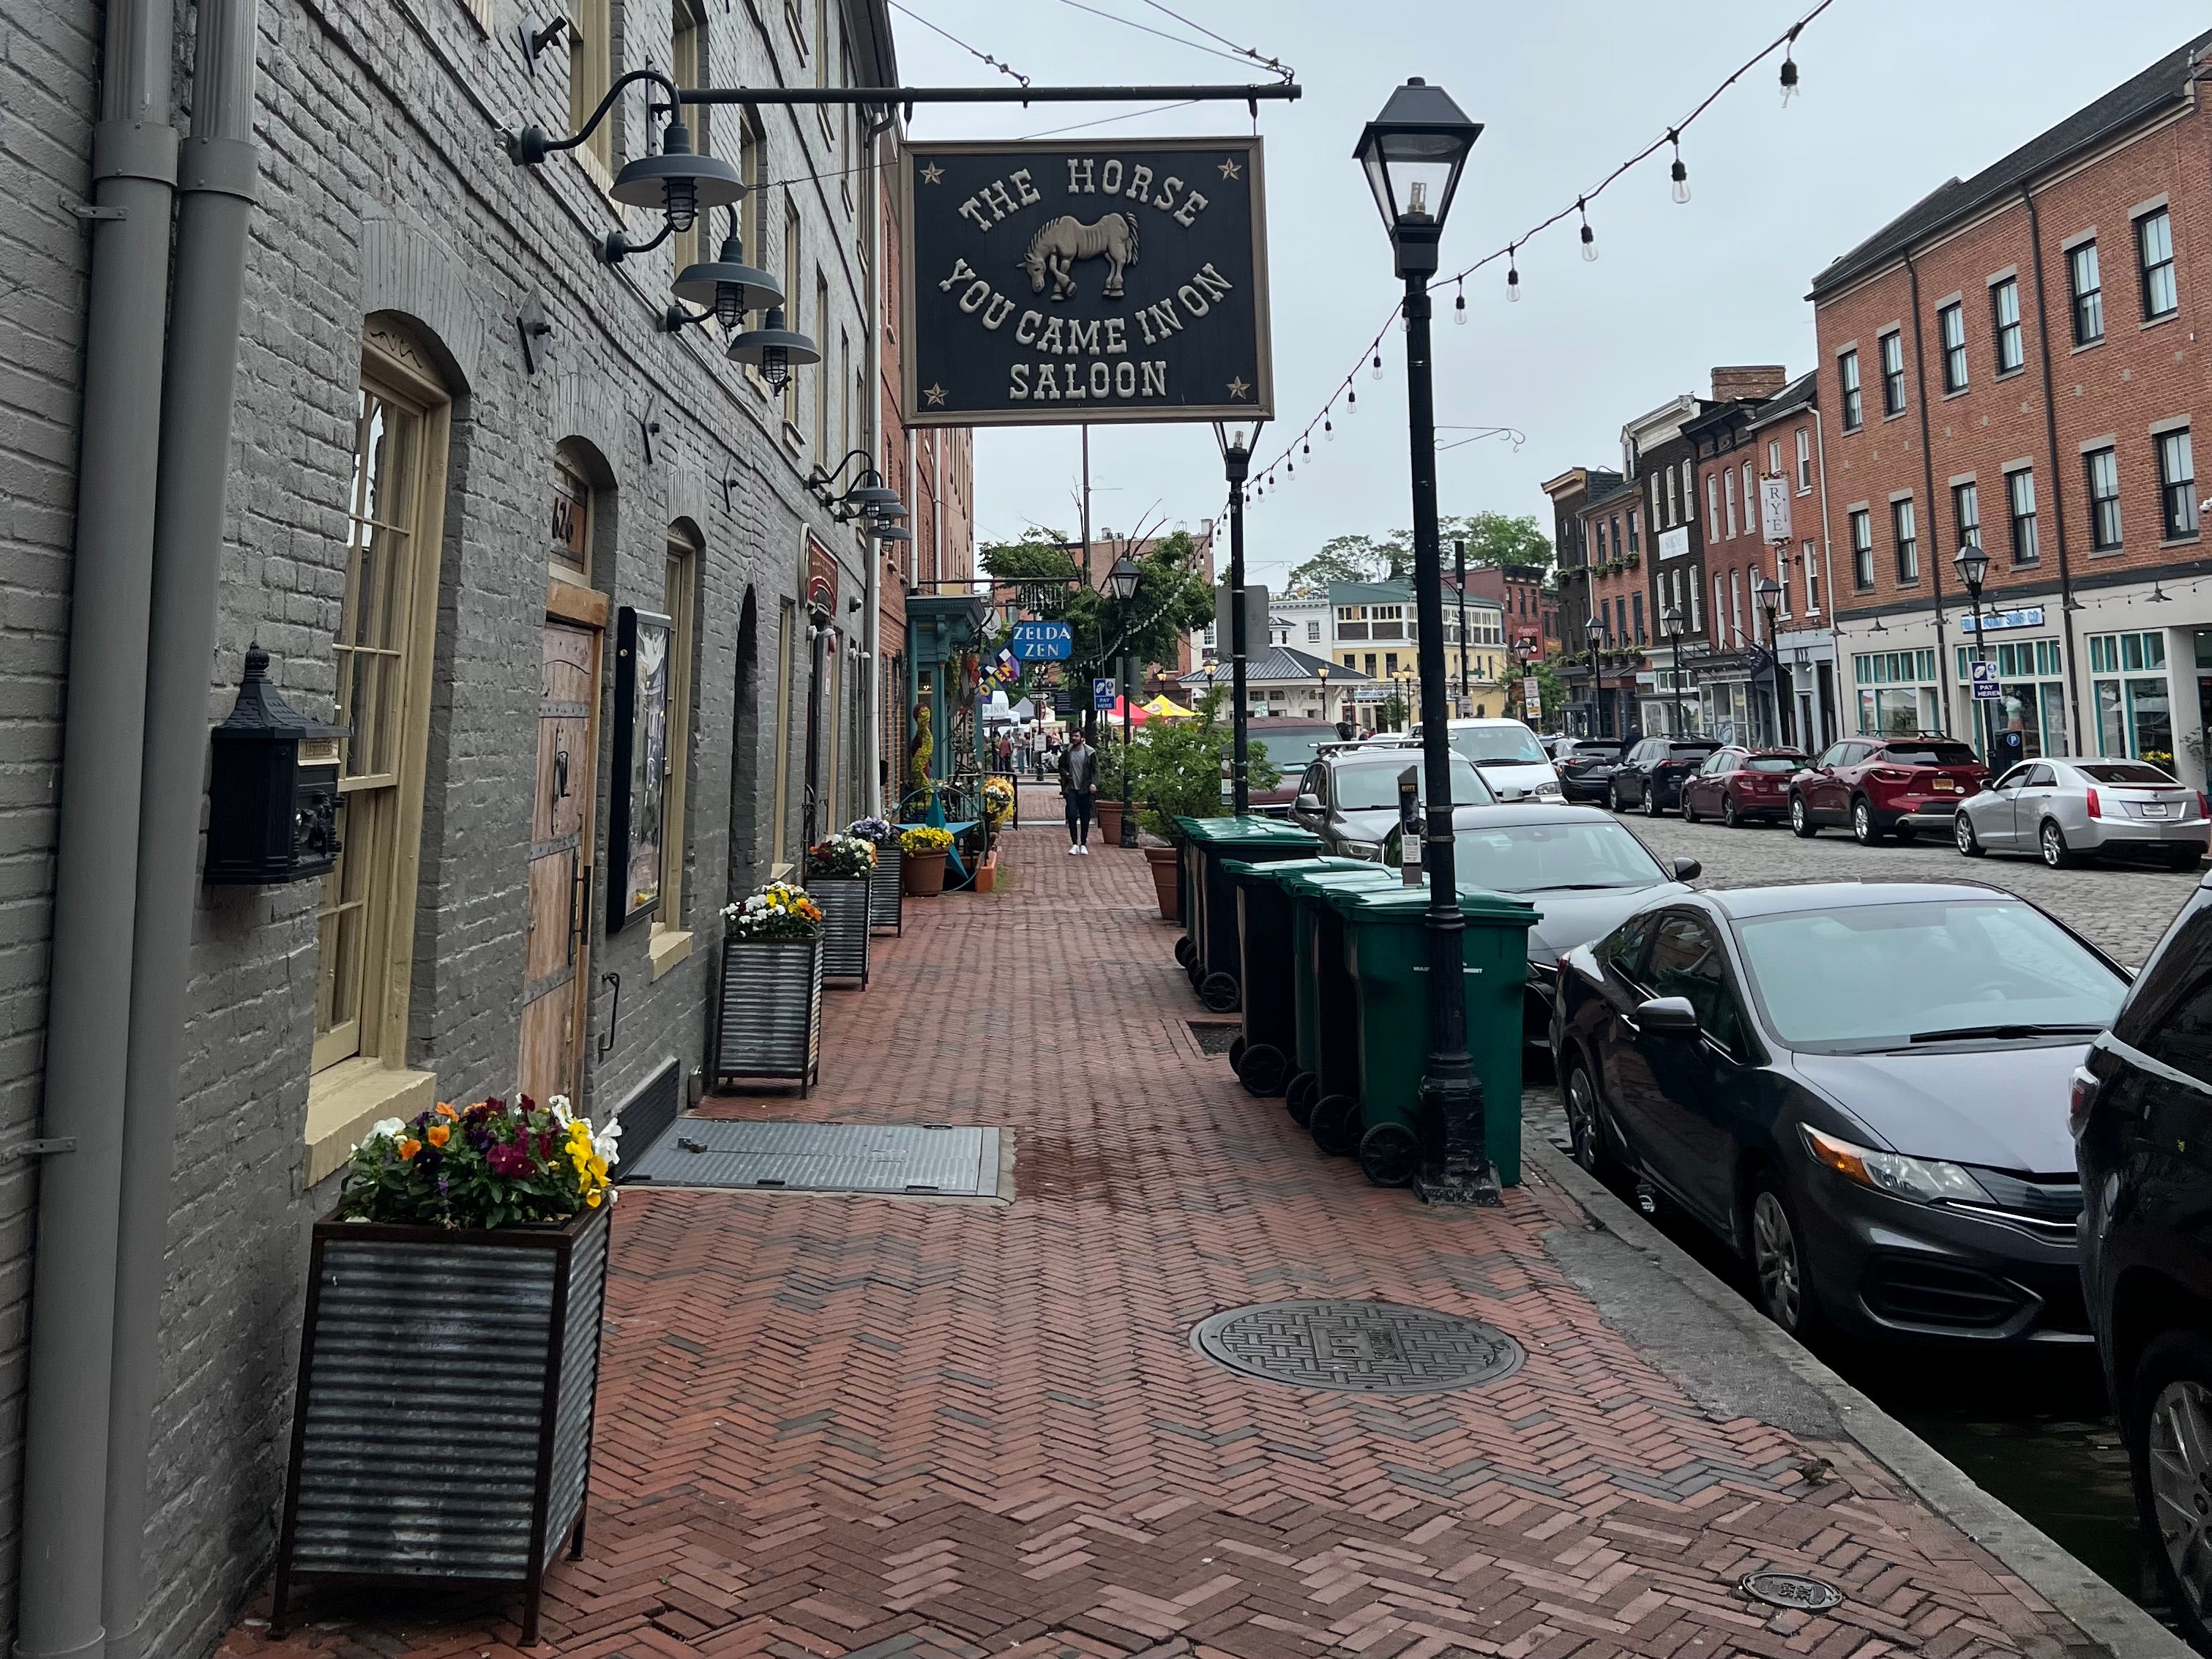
2154	810
1945	786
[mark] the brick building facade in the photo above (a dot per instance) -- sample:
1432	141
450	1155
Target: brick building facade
396	413
2016	361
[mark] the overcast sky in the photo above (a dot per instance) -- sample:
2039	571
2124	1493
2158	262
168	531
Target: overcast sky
1896	96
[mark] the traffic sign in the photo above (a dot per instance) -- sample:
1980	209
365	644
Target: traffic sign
1984	677
1532	693
1043	641
1102	694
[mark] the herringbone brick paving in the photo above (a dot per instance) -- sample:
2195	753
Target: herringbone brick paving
845	1426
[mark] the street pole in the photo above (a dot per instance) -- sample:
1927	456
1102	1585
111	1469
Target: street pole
1128	674
1236	463
1459	563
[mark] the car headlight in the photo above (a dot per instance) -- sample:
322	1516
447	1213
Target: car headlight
1547	787
1362	849
1926	1180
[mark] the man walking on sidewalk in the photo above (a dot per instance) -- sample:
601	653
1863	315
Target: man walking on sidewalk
1079	783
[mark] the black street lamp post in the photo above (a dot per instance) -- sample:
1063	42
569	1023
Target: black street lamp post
1973	567
1413	152
1121	588
1458	567
1236	463
1670	629
1766	594
1593	630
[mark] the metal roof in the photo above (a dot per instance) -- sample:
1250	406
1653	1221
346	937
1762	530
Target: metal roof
1277	665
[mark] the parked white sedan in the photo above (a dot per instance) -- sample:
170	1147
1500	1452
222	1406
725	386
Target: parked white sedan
2061	809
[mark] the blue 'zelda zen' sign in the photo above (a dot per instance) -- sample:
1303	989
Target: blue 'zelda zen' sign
1052	284
1043	641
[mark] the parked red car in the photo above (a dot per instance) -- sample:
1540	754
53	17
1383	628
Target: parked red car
1884	785
1743	786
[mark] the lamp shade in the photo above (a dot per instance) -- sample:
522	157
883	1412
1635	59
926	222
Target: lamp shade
1972	565
678	181
889	512
1670	621
1413	152
728	286
773	349
892	532
872	498
1766	590
1121	579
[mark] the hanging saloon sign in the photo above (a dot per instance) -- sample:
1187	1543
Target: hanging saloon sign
1050	284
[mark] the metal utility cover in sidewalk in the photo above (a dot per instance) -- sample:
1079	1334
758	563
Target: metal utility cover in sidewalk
935	1159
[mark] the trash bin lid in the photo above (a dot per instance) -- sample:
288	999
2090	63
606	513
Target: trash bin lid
1203	829
1405	905
1257	832
1306	878
1279	869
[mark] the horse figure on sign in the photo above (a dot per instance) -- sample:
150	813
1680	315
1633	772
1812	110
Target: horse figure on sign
1061	242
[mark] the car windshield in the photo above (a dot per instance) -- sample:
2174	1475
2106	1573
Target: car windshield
1594	750
1875	977
1690	751
2126	772
1547	858
1928	754
1372	786
1289	752
1508	745
1774	763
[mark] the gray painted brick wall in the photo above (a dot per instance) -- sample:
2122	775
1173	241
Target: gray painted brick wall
383	190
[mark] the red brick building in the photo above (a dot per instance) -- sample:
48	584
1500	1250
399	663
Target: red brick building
2014	363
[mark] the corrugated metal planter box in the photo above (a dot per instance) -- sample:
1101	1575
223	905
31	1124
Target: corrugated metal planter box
443	1431
887	890
770	1023
844	902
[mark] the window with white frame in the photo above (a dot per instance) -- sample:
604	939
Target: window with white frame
2155	244
1728	477
2020	512
2177	484
1804	462
1904	532
1806	551
1892	379
2004	325
2087	287
1951	328
2128	683
1862	522
1847	377
1689	500
1897	692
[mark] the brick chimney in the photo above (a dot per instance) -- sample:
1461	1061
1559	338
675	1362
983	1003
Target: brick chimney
1733	380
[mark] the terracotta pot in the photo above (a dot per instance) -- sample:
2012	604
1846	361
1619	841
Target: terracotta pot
1108	815
1163	860
925	874
987	874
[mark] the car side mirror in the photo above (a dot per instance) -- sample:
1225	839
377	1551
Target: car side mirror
1668	1017
1308	803
1688	869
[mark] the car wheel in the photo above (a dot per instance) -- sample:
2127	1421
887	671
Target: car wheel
1800	818
1777	1259
1690	814
2167	1421
1585	1125
2050	842
1730	816
1651	807
1864	830
1969	843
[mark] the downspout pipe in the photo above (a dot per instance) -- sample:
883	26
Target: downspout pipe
72	1322
216	201
2058	473
869	689
1936	556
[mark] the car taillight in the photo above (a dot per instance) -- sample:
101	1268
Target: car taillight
2095	810
1885	775
2079	1100
2203	810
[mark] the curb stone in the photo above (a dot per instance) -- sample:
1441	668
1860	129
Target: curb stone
2116	1625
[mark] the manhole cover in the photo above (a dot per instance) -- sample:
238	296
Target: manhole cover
1357	1347
1789	1590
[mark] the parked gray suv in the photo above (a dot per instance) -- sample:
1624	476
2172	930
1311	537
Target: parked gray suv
1349	795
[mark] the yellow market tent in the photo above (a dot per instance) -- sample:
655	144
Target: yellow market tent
1167	710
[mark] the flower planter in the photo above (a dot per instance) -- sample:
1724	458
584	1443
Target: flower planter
441	1434
770	1021
987	873
887	889
1108	814
925	874
1165	887
844	902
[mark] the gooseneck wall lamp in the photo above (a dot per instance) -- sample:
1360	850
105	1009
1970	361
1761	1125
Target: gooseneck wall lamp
725	288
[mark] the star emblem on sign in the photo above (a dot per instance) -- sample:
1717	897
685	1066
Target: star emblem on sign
1231	170
1238	387
935	396
933	174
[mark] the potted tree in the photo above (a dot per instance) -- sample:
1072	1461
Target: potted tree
442	1432
841	880
925	847
887	884
1179	773
770	1024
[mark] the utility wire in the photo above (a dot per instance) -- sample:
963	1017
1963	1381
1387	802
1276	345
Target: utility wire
1235	56
1109	120
1260	58
985	57
1578	209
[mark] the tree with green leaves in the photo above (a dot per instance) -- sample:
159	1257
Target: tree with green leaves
1492	539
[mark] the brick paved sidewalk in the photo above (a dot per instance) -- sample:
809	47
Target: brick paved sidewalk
834	1425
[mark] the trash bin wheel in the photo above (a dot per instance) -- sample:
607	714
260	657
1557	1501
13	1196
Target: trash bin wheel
1237	1053
1299	1095
1195	971
1184	950
1263	1070
1335	1125
1389	1154
1220	993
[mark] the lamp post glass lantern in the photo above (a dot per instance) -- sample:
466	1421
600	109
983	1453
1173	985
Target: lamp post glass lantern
1121	589
1235	440
1413	154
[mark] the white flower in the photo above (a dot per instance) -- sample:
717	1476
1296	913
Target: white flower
386	1128
605	1143
559	1107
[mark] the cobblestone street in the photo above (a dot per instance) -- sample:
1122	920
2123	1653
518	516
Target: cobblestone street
834	1425
2123	908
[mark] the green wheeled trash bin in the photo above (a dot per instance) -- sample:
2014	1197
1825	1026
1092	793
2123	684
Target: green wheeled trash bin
1186	944
1323	1000
1264	1054
1387	949
1253	841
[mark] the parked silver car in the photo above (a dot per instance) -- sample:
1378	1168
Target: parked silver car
2061	808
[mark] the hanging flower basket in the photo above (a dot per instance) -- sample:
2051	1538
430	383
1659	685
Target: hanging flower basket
769	1023
441	1431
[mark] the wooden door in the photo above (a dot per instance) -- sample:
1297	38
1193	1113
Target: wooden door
557	980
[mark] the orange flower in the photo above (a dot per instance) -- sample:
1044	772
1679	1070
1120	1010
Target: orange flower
408	1147
444	1110
437	1134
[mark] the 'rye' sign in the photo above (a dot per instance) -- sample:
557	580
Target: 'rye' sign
1052	284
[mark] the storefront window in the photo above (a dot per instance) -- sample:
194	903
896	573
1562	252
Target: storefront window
2134	715
2029	717
1897	692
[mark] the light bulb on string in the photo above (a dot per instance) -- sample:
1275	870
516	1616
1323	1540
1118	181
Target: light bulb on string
1789	70
1305	446
1512	278
1328	430
1459	305
1681	174
1589	237
1351	399
1378	366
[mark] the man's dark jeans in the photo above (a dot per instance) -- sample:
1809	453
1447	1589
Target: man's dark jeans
1079	818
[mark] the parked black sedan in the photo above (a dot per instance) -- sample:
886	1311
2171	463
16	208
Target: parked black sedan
1855	1086
2141	1113
1651	774
1583	765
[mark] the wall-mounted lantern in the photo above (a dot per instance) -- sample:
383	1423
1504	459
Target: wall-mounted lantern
273	803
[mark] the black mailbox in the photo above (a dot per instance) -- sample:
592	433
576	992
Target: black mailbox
273	803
